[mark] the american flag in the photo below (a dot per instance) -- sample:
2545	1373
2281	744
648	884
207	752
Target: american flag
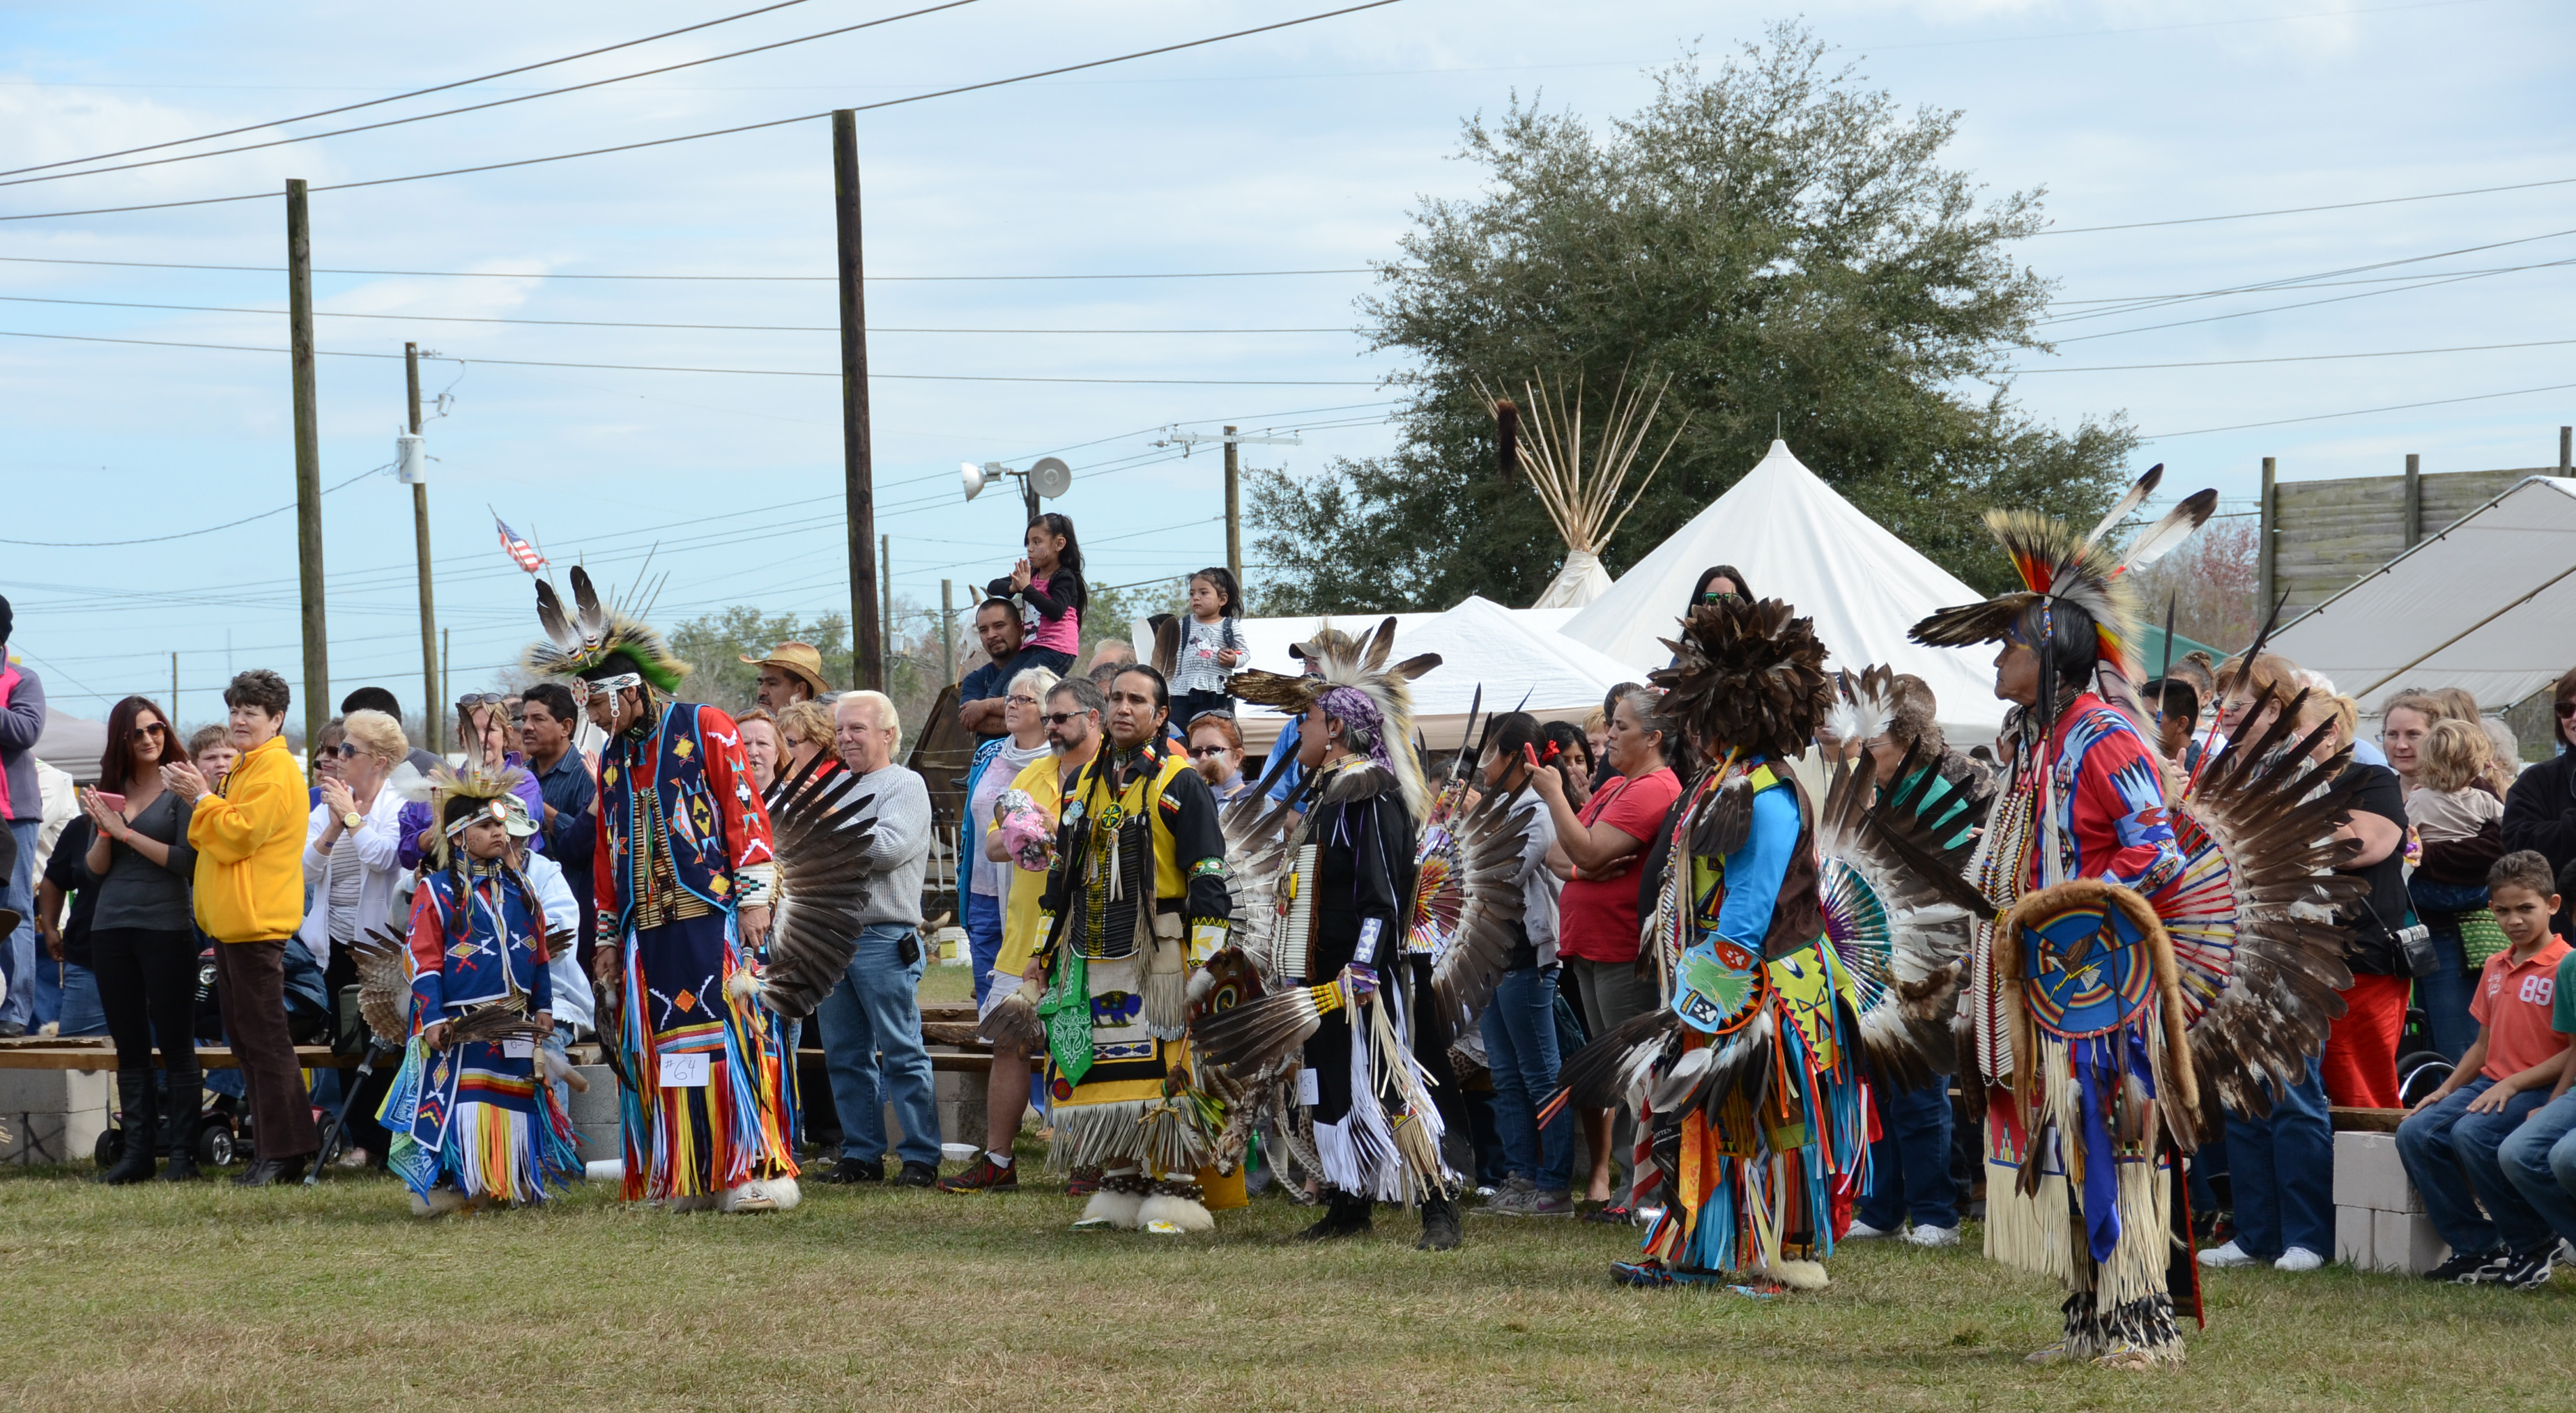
521	552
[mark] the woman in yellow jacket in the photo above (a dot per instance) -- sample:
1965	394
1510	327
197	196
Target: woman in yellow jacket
249	838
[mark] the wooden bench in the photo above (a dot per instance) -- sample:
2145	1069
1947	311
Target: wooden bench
81	1052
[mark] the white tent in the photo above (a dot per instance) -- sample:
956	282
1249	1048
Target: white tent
1513	654
1579	582
1797	540
2488	605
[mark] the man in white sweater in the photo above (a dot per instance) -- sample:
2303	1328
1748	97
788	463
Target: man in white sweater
871	1023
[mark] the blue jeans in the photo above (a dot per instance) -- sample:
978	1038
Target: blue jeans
871	1026
2282	1167
2450	1154
983	937
81	1012
2540	1161
18	950
2444	997
1520	1052
1909	1165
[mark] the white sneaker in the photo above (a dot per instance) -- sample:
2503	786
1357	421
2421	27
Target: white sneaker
2221	1257
2298	1258
1932	1236
1863	1231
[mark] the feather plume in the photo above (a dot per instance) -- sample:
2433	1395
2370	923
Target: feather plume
822	834
2178	525
2128	503
1887	874
592	619
1166	654
1747	677
1600	1074
550	616
1864	704
1341	661
1259	1033
1467	895
384	986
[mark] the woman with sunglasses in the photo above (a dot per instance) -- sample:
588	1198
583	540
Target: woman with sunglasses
2540	809
352	855
143	941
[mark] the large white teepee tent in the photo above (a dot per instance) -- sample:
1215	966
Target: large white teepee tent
1796	540
1581	492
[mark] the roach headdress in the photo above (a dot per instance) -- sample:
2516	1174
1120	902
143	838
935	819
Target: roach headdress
1748	677
464	796
1353	683
2075	607
596	642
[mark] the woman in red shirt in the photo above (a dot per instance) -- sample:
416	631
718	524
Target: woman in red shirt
1596	852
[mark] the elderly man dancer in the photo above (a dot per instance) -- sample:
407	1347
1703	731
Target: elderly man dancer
871	1023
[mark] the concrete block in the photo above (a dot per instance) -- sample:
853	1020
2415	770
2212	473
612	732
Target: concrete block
53	1116
2368	1174
597	1141
2406	1242
599	1106
2353	1230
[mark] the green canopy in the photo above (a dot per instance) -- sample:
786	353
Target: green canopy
2151	651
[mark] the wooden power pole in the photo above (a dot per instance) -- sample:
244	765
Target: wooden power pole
433	712
867	666
947	632
1233	516
308	463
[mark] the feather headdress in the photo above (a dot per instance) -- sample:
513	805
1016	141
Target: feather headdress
461	797
1864	705
2073	587
597	641
1748	677
1353	682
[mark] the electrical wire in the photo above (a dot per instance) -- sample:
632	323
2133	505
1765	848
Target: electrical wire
192	534
749	372
495	103
2295	358
755	279
720	132
415	93
2303	210
2359	412
619	324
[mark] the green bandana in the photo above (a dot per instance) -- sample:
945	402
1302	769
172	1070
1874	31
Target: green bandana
1066	1012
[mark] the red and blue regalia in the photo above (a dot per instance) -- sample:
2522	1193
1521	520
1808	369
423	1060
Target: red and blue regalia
684	848
2140	943
474	1122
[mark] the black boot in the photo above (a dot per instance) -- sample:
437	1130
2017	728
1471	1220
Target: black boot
1344	1215
187	1100
1440	1230
138	1119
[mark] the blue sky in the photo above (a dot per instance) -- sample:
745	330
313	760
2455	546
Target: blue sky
1303	149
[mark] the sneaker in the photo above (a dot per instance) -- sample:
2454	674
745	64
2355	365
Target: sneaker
1513	1189
2567	1254
2298	1259
1932	1236
1863	1231
1559	1203
2526	1270
2468	1267
1510	1202
2219	1258
918	1175
983	1177
850	1170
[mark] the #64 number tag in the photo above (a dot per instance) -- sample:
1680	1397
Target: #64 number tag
684	1071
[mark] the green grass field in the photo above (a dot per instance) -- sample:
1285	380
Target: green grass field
209	1298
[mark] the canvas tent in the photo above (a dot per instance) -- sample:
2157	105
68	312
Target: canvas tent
2488	605
1513	654
1797	540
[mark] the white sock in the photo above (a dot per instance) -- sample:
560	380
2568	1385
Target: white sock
999	1160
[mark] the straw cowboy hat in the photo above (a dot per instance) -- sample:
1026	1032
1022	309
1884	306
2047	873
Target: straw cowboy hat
799	660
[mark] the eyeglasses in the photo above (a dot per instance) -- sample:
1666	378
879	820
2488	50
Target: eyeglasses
1208	752
1021	701
348	750
1058	718
476	699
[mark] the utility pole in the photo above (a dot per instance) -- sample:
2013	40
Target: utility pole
2414	499
308	463
446	670
947	630
867	666
1233	487
432	716
885	602
2266	549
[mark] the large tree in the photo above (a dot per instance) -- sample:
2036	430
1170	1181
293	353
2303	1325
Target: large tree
1782	243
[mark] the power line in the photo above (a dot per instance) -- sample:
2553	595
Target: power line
2296	358
622	324
2429	282
721	132
495	103
756	279
2359	412
750	372
189	534
415	93
2290	281
2303	210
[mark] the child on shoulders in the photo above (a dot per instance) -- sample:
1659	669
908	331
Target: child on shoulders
1048	586
1212	647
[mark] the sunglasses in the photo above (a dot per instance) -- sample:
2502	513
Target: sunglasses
1207	752
156	729
476	699
348	750
1059	718
1720	597
2567	710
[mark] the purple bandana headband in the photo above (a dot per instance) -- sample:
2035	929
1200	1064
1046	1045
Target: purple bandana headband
1355	708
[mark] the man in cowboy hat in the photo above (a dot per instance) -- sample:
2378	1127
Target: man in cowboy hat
793	672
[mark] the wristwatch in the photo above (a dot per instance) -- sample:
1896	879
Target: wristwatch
352	820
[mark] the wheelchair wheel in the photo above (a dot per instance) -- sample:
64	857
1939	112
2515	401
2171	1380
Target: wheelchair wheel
111	1144
215	1146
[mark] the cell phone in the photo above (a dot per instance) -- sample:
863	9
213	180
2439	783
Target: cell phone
908	950
111	799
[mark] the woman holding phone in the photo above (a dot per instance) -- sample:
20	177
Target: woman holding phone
143	940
